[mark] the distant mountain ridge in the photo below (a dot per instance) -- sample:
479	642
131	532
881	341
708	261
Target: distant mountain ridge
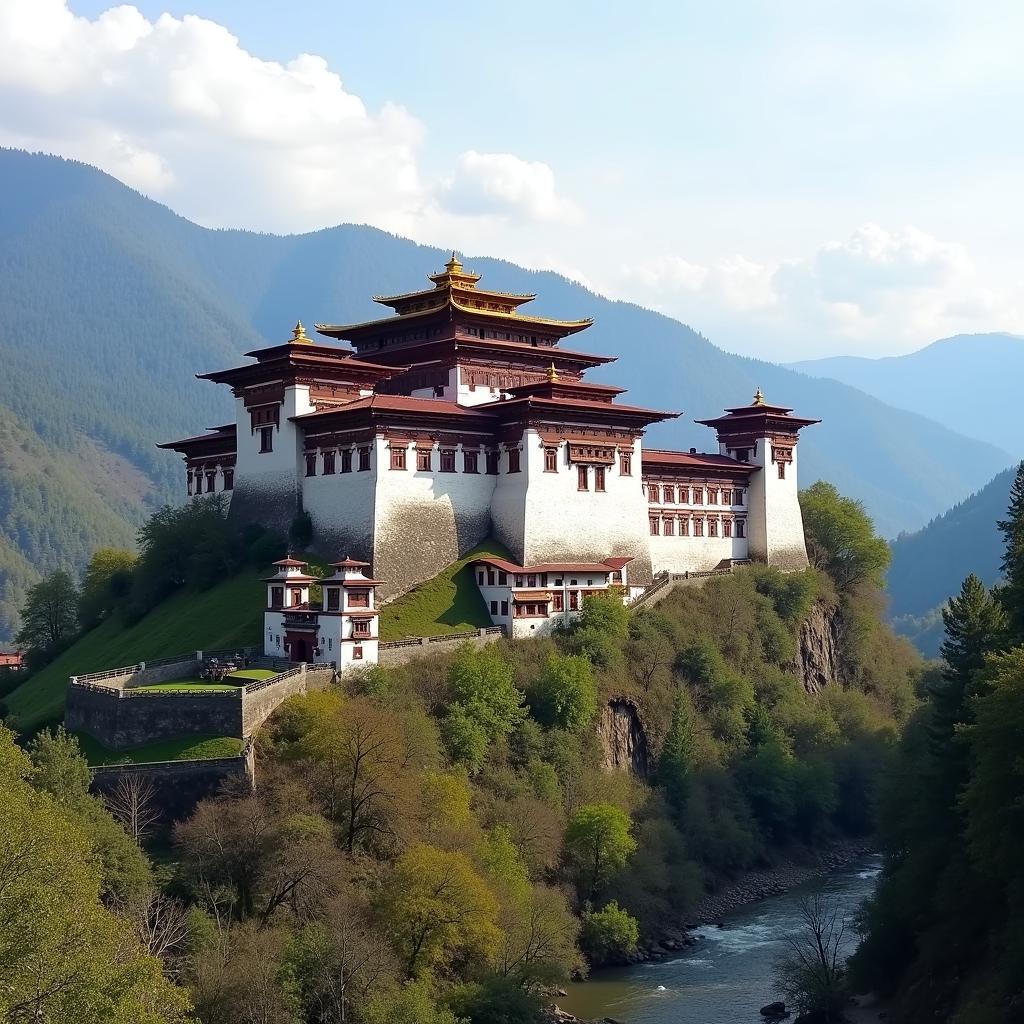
110	303
970	379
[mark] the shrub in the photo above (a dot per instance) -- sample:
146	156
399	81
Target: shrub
609	935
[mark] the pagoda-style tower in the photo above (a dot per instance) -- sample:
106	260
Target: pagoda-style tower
464	343
766	436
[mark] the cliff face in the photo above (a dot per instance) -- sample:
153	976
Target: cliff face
623	737
817	661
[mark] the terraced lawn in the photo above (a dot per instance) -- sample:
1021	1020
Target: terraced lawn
190	686
180	748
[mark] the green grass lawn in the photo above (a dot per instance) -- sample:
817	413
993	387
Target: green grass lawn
181	748
248	675
449	603
189	686
227	615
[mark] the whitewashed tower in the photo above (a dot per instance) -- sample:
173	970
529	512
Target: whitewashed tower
766	436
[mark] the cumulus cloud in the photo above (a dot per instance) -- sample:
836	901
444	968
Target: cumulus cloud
501	184
877	291
180	110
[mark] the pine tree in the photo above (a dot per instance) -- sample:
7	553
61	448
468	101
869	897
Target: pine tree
677	754
1011	594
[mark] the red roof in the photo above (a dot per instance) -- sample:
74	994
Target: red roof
288	561
556	567
693	460
349	563
398	403
577	403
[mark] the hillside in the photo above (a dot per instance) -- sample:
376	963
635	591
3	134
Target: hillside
110	303
970	378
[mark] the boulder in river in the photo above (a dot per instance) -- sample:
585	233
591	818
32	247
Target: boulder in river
775	1011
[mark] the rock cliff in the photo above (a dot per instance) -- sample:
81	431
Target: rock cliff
623	737
817	660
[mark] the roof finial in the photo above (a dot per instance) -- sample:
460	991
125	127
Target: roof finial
758	397
454	265
299	333
552	374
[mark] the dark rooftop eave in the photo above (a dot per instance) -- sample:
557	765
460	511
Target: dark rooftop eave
581	406
749	419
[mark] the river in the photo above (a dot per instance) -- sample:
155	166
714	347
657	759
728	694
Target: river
728	976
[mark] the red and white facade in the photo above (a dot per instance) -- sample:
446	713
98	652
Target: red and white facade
341	629
462	417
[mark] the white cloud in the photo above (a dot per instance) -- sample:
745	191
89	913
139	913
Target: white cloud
876	292
502	184
178	109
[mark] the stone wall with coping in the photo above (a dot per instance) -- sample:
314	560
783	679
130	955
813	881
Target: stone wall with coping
399	652
179	785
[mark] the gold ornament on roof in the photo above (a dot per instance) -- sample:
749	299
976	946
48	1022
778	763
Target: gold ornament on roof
453	266
552	374
758	397
299	333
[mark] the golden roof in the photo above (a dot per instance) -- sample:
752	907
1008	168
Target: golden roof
758	398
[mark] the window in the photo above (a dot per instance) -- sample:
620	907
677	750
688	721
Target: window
494	607
712	495
311	464
558	581
504	607
333	599
447	460
397	458
490	577
782	471
684	526
698	496
713	527
669	495
669	527
229	479
543	579
513	460
277	597
726	527
364	459
361	627
359	599
503	579
346	461
573	583
582	478
626	463
357	653
550	460
653	493
188	481
470	462
266	439
493	462
423	459
698	527
211	481
519	581
531	581
574	600
329	462
296	597
480	577
739	528
558	603
599	478
655	526
737	497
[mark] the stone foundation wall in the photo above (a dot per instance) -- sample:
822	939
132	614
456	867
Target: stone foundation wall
179	785
398	652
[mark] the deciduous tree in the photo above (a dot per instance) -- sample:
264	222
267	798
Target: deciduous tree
599	841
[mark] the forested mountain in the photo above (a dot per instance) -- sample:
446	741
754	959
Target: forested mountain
110	303
970	379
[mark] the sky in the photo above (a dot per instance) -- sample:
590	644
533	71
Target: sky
792	178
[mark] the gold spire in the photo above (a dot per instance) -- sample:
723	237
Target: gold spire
299	334
453	266
552	374
758	397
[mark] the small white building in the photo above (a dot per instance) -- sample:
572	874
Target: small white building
531	600
342	629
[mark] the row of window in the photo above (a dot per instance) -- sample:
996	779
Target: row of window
666	526
495	577
357	651
670	494
332	464
195	481
356	598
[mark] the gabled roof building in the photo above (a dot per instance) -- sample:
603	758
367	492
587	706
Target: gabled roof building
461	416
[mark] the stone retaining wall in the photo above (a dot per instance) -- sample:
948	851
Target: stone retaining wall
398	652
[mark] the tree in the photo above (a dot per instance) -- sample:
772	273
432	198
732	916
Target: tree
566	694
496	1000
435	907
486	705
609	934
599	841
133	803
63	957
106	581
810	973
649	651
600	629
1012	565
841	538
411	1004
677	754
49	618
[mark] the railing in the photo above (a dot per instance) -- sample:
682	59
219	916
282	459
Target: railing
261	684
663	579
423	641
